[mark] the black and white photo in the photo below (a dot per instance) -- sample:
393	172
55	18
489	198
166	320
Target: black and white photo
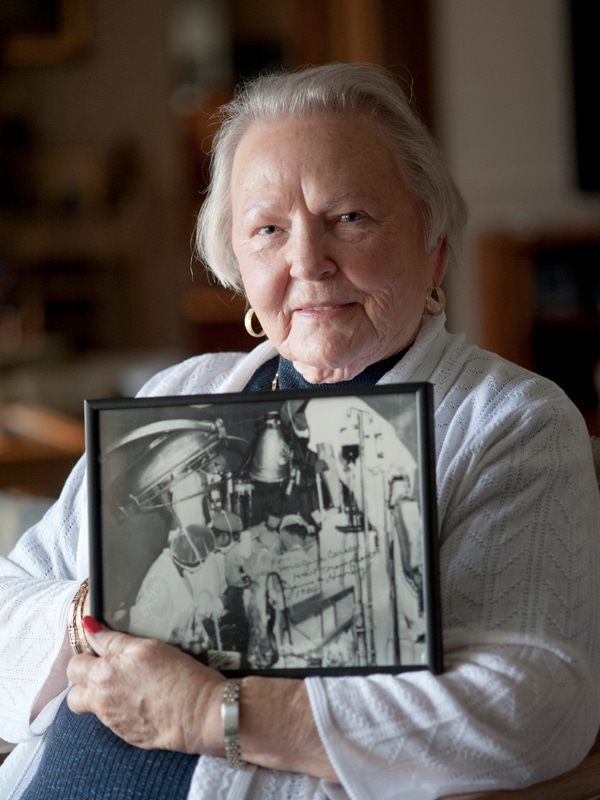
278	534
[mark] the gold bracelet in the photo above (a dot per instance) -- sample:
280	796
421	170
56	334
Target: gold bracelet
77	640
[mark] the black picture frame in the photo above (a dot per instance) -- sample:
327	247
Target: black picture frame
281	534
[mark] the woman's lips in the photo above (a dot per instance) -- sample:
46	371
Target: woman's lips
324	310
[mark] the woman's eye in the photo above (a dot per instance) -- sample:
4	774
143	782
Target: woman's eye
353	216
267	230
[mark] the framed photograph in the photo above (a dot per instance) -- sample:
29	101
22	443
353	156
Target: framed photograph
280	533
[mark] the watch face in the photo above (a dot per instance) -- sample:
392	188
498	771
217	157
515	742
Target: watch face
230	709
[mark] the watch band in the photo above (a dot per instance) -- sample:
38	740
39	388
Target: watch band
230	715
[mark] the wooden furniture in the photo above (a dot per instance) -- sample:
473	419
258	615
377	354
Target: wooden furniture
38	448
74	278
216	316
540	299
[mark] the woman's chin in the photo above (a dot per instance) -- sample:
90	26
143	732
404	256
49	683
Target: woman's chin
328	369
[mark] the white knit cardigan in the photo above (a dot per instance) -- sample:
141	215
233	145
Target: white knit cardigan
519	515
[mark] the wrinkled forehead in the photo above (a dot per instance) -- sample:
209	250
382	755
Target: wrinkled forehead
340	155
283	131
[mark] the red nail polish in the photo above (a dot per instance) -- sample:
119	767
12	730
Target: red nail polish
91	625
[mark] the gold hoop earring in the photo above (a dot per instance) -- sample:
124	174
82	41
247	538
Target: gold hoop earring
248	325
437	294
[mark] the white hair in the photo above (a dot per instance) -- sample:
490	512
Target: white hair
330	90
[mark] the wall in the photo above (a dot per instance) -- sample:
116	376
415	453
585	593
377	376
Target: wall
502	100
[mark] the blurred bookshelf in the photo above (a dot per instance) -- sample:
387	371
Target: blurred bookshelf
541	307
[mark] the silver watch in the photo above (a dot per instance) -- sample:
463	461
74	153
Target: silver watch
230	715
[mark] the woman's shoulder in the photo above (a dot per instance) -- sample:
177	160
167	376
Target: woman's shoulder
465	372
500	381
202	374
469	373
481	395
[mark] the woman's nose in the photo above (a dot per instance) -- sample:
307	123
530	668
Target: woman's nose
309	255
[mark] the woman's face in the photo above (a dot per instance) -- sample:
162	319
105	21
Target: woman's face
330	244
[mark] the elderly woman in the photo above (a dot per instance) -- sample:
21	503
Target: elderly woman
331	211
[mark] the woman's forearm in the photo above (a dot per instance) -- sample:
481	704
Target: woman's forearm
277	729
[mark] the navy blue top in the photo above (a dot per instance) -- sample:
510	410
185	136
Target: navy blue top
290	378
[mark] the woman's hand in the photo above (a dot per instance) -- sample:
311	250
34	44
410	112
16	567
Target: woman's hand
148	693
156	697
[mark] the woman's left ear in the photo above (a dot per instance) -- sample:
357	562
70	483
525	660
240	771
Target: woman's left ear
439	256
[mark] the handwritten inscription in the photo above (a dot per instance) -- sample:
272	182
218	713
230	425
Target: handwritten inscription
307	576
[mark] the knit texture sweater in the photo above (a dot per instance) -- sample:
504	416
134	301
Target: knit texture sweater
519	515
